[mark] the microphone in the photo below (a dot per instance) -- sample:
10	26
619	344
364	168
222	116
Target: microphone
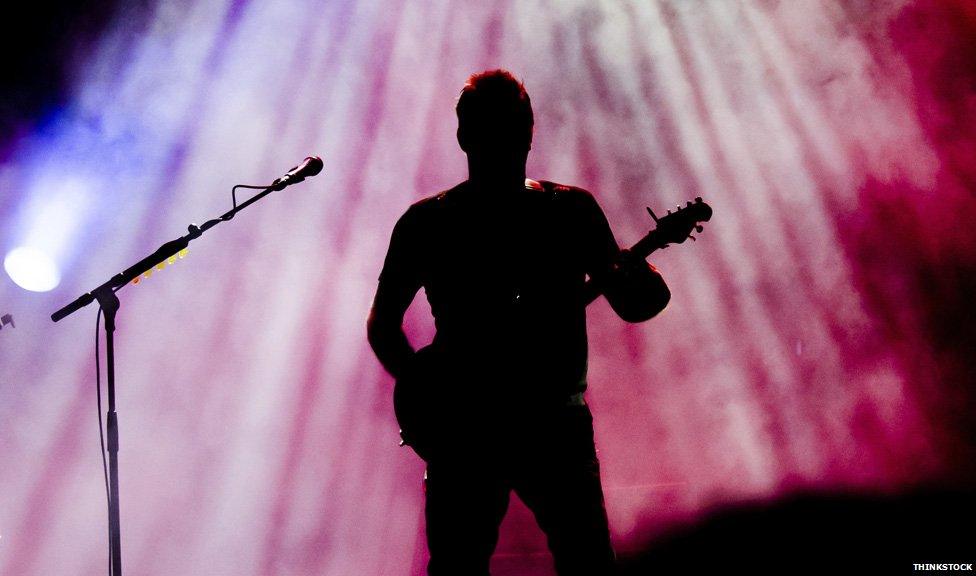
310	167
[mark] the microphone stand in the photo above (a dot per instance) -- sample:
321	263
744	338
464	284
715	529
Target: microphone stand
105	295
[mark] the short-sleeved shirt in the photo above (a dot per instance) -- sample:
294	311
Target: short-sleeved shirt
504	272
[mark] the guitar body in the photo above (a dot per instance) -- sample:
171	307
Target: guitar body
420	401
439	407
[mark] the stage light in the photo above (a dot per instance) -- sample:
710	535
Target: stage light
46	227
32	269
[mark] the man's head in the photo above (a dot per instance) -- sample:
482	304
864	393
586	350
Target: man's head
494	116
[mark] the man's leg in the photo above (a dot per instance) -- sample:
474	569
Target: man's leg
465	504
559	480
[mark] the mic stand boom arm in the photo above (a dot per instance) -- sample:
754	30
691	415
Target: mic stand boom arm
105	294
168	249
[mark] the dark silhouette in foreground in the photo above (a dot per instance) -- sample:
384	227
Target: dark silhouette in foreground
817	533
495	402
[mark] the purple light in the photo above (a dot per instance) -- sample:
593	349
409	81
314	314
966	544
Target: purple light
818	337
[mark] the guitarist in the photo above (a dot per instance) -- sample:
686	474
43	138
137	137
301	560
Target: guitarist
503	261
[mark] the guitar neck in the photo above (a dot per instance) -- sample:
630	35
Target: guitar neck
642	249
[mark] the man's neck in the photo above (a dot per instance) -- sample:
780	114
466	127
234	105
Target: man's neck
496	179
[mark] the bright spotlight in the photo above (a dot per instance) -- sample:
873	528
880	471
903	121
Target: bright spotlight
32	269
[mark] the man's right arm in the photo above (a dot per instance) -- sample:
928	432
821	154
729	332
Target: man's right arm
384	330
399	283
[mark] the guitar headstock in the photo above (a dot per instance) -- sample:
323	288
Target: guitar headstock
676	227
672	228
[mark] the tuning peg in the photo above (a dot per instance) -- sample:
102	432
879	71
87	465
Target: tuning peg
689	204
651	212
699	228
698	200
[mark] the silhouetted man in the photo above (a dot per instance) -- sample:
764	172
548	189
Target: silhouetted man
503	260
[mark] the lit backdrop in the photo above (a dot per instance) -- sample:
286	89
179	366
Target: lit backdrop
818	338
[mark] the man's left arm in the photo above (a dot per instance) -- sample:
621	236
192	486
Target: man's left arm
634	288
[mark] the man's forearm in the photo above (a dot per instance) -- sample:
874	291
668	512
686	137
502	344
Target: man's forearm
390	344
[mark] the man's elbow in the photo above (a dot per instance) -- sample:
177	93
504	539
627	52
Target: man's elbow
376	331
643	307
640	297
660	299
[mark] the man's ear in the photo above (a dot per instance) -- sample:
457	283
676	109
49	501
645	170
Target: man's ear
462	138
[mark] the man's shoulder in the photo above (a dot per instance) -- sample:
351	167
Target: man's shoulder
560	188
431	202
574	197
436	205
426	208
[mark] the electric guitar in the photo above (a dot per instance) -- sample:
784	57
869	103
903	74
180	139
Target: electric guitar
418	394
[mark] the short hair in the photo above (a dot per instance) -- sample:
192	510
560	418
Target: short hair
494	107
